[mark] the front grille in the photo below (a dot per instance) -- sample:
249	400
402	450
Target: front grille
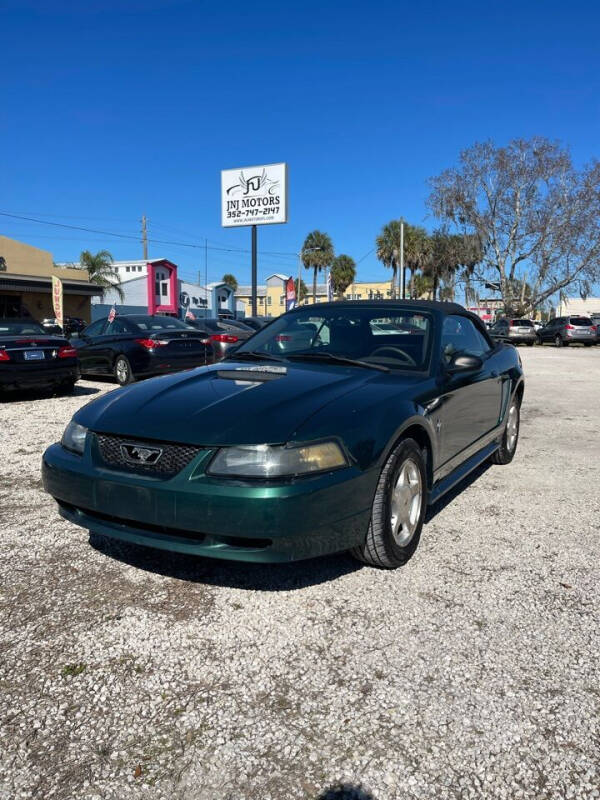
173	458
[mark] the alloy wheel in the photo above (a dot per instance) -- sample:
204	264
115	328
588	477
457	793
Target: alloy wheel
122	370
512	428
406	501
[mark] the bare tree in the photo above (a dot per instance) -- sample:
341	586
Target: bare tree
535	217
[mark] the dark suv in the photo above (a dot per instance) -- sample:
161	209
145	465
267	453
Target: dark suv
564	331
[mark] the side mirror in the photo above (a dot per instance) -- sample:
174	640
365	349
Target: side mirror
464	363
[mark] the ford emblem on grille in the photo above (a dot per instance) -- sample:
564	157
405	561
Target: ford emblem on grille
141	455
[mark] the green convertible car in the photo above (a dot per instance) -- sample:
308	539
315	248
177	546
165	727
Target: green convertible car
330	429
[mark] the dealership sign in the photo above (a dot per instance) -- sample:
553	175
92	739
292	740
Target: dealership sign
254	195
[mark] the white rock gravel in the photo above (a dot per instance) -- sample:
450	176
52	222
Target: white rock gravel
472	672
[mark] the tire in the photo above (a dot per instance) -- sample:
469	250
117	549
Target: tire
559	342
588	344
389	542
506	452
530	344
122	370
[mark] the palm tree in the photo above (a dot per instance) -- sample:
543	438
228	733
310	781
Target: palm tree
343	272
317	254
388	249
300	294
101	271
230	280
417	250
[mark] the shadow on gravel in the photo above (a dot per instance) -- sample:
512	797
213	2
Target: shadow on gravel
460	487
22	395
232	574
345	791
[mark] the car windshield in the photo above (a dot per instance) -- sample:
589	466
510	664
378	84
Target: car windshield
399	338
20	328
581	321
158	323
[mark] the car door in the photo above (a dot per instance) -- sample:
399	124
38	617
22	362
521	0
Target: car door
86	345
115	339
470	402
547	333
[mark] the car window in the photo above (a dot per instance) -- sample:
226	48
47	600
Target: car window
399	340
158	323
17	328
522	323
116	326
95	329
581	321
459	335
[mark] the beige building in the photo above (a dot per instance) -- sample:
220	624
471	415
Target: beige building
575	305
26	283
271	295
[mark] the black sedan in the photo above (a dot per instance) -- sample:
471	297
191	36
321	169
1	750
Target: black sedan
31	359
138	346
223	333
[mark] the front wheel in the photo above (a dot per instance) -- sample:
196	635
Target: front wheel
398	509
508	447
122	371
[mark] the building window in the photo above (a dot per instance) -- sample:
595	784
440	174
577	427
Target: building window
127	269
281	299
269	300
164	289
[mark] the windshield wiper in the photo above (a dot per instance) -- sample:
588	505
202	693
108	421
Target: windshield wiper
253	355
337	360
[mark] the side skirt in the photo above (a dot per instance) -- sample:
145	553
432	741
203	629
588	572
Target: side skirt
461	472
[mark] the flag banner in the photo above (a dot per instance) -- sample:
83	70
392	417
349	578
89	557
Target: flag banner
57	299
189	315
112	314
290	294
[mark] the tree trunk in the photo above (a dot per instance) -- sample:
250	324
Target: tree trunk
314	285
393	286
435	286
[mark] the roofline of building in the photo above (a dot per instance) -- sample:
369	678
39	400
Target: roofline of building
33	282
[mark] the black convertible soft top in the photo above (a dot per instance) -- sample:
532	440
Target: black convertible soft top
442	307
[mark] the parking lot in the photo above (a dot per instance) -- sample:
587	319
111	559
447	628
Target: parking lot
470	672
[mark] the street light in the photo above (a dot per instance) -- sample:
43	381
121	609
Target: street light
300	254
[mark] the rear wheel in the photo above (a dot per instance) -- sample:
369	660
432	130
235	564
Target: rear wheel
588	344
506	452
558	341
122	370
398	509
530	344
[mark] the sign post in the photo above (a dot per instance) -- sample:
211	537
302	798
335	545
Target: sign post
57	300
254	196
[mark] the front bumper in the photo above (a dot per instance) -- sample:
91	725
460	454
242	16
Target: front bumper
194	513
33	376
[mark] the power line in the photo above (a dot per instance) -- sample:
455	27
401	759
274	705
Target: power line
135	237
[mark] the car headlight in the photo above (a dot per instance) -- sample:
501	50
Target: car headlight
73	438
264	461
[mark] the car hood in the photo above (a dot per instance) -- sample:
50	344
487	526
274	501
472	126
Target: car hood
224	404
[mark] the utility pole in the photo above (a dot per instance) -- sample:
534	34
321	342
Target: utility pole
402	275
144	239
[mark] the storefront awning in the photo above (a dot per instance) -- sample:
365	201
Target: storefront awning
29	283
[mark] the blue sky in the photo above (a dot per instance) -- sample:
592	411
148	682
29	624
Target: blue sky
114	109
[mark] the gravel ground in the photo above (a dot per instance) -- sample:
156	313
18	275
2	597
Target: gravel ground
471	672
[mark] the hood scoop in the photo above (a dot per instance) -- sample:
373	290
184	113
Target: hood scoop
253	374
